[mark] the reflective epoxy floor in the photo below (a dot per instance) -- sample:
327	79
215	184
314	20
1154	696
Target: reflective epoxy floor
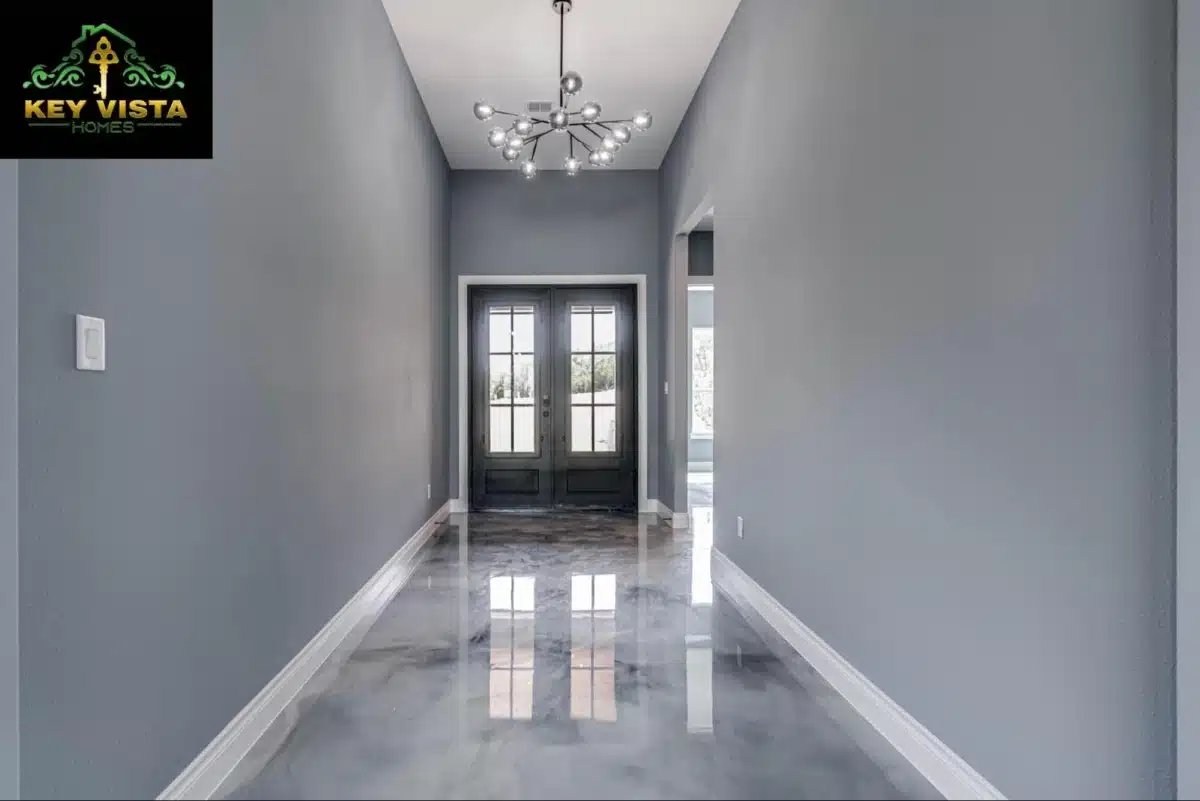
571	656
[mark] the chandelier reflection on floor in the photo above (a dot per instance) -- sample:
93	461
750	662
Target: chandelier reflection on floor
606	137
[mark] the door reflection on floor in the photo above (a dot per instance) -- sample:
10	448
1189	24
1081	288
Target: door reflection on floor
593	647
510	677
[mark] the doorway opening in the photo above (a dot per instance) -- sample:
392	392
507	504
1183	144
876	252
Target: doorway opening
700	416
553	395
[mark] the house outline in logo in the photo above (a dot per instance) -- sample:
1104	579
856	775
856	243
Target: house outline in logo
88	31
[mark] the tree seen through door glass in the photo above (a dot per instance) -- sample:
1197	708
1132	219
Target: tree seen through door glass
511	380
593	379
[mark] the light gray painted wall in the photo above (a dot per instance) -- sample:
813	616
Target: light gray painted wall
700	253
700	314
9	645
953	448
273	407
1188	403
594	223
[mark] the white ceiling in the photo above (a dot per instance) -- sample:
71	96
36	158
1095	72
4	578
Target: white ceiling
632	54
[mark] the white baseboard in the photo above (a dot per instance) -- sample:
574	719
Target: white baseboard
943	768
457	506
673	519
205	775
656	507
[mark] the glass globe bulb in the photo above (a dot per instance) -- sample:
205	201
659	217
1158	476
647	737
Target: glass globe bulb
528	169
511	153
606	157
484	111
559	119
610	144
496	137
622	134
643	120
523	126
572	165
514	141
571	82
590	111
594	158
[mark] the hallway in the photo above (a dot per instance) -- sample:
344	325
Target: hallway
568	656
268	415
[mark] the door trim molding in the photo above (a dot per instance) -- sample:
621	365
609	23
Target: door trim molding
465	282
932	758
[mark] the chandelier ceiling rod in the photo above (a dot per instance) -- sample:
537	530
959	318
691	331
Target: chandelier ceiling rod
513	139
562	21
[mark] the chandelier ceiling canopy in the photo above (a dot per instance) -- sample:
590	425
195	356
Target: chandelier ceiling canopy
598	139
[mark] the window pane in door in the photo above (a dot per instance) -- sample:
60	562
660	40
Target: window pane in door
581	429
581	379
500	331
522	336
606	329
523	388
499	379
581	329
606	429
605	381
523	435
500	429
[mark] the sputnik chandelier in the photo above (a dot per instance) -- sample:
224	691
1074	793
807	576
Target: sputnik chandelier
605	136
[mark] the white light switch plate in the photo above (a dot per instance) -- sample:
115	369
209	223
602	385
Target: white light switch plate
89	343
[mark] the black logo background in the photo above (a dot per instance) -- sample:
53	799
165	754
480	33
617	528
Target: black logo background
179	34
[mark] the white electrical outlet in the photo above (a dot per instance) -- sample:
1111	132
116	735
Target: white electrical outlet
428	491
740	535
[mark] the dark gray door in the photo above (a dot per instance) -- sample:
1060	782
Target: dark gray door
595	456
553	397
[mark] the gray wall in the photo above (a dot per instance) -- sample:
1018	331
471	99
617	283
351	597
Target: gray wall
1188	381
700	314
9	662
953	448
273	407
700	253
601	223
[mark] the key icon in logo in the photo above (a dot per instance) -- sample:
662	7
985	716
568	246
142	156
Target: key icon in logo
102	55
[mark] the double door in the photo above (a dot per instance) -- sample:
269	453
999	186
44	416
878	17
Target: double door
553	397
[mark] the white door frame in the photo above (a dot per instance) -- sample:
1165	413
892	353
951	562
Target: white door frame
462	502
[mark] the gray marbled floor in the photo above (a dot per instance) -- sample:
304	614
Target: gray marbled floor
572	656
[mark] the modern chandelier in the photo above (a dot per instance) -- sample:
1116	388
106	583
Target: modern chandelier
605	137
